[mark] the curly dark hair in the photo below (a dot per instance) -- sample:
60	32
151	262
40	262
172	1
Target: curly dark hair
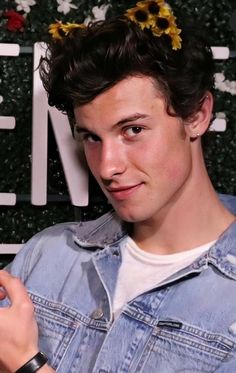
89	61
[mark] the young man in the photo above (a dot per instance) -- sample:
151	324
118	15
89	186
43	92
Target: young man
151	286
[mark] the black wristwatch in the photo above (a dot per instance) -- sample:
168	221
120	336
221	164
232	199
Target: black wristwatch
34	364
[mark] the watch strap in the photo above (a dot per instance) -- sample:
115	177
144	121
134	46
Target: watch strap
34	364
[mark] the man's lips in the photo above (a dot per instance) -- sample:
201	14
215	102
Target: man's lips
122	192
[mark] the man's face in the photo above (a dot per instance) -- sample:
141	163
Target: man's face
139	155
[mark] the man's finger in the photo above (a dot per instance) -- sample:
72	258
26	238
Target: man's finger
14	288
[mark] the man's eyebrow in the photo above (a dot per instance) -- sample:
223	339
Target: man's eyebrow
80	131
131	118
78	128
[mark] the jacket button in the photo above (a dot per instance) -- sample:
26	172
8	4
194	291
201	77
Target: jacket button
97	314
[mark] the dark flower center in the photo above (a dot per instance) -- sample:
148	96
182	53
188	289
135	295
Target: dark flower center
141	16
61	32
153	8
162	23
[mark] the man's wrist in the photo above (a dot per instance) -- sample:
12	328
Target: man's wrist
34	364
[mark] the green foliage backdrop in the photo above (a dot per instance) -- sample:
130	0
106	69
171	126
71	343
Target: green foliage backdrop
18	223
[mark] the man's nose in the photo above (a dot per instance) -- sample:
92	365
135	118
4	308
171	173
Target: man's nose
112	161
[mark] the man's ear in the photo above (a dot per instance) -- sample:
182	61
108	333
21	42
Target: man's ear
198	124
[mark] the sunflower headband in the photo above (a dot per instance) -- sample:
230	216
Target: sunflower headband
155	15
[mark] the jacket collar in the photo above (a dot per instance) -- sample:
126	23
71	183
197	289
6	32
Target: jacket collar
222	254
104	231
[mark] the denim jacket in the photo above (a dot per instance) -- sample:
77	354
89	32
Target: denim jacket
185	324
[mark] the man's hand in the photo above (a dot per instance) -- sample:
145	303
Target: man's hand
18	328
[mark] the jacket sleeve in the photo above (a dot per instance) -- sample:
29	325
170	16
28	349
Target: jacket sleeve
43	244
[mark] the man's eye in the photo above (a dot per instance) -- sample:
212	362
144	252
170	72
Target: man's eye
132	131
89	137
86	137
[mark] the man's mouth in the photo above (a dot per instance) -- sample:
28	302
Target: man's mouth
124	191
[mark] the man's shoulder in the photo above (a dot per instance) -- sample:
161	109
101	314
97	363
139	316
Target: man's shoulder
81	230
223	253
229	201
47	247
67	242
90	233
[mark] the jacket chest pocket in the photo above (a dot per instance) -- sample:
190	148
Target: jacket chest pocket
185	349
56	329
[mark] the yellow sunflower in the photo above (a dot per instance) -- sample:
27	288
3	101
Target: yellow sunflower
59	30
150	4
150	8
176	42
165	11
68	27
140	16
172	31
165	24
55	30
176	38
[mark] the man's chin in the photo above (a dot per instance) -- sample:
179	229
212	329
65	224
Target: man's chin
128	216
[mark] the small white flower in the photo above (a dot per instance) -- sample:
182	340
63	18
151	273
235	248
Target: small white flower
233	87
1	99
228	84
65	6
221	87
24	5
99	14
225	85
219	77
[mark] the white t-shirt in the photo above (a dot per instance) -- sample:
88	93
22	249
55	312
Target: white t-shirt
141	271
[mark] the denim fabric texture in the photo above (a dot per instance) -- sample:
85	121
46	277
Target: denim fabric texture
185	324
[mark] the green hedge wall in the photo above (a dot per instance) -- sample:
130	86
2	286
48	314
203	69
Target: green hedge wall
18	223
